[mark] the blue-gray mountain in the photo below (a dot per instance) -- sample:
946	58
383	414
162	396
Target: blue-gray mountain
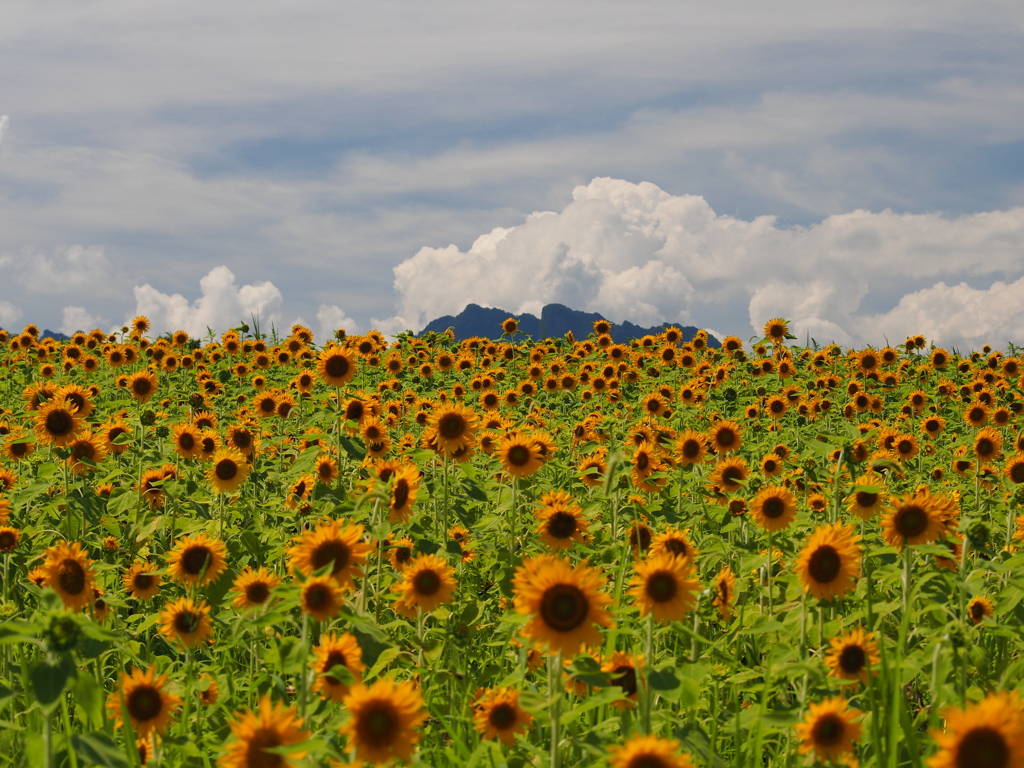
555	320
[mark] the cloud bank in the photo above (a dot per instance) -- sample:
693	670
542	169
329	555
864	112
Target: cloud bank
223	304
633	251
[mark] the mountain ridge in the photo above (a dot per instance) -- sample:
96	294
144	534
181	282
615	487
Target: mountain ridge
555	320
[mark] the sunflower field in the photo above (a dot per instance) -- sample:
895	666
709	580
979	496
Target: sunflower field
263	552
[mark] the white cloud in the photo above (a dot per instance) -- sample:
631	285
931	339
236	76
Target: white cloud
9	314
3	128
75	268
222	305
633	251
331	318
79	319
958	315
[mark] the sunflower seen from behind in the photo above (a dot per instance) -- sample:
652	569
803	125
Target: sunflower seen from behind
383	720
564	603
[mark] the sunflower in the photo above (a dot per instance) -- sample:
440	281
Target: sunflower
404	487
988	444
150	486
69	573
86	452
321	597
228	470
399	552
976	414
593	468
253	588
987	734
519	454
829	730
7	480
648	752
664	587
868	497
776	330
19	446
427	582
57	423
918	518
725	592
829	563
337	651
497	715
141	581
564	603
197	560
774	508
326	469
852	655
243	439
383	720
142	385
726	437
980	608
561	521
450	430
647	462
78	397
673	542
186	440
8	538
275	727
144	697
186	622
336	366
623	670
336	542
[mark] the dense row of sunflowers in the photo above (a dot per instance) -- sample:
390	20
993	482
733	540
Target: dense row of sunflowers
261	552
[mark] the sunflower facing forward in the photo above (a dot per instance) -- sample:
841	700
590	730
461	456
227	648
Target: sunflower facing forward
337	651
186	622
275	727
69	572
383	720
197	560
564	603
640	751
149	705
497	715
336	542
918	518
774	508
664	587
852	655
228	470
561	521
829	730
427	582
987	734
829	563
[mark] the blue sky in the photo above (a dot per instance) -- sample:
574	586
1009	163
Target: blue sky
856	168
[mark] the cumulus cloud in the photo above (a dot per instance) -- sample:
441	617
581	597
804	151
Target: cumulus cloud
3	127
74	268
223	304
79	319
331	318
9	314
635	252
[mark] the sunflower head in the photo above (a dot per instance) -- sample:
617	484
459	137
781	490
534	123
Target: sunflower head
383	720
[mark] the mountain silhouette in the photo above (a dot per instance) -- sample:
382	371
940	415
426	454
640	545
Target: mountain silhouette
555	320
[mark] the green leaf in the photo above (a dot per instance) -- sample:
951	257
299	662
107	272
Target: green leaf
90	700
98	749
50	680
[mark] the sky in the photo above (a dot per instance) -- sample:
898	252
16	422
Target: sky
857	169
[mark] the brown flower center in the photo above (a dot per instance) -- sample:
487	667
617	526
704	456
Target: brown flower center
257	592
626	680
330	551
661	586
194	559
256	755
824	564
773	508
983	748
376	724
426	583
828	730
519	455
186	622
336	366
502	717
144	703
852	659
561	525
564	607
59	423
334	659
226	469
911	521
71	577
